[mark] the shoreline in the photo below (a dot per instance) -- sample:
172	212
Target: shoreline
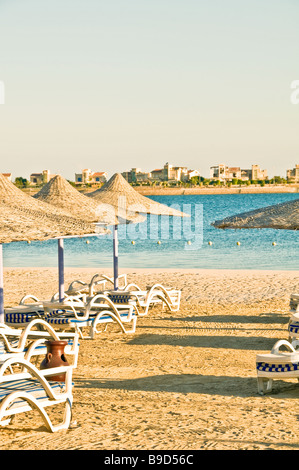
168	191
146	191
108	271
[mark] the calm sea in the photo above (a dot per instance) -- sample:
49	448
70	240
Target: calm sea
183	244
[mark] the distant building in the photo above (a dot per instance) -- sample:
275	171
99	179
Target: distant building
293	175
218	172
192	173
89	177
7	175
127	176
257	173
234	172
41	178
136	175
167	173
225	173
158	175
99	177
175	173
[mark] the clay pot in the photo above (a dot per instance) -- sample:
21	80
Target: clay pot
55	358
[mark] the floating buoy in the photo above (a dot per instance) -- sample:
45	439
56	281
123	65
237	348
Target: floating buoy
87	242
29	241
159	243
238	243
210	243
273	243
133	243
189	243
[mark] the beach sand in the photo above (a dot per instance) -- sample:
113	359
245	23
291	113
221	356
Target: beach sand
184	380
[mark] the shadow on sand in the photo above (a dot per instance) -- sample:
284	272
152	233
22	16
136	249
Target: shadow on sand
267	318
193	383
257	343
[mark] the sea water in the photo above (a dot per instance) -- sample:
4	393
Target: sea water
162	242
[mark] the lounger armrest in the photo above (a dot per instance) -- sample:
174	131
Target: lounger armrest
132	285
77	281
75	306
111	279
282	342
33	372
26	297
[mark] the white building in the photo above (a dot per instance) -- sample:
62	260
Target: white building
167	173
293	175
225	173
192	173
89	177
40	178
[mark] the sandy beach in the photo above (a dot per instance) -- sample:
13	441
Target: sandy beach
183	380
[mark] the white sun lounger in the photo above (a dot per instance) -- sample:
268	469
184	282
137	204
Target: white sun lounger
30	340
97	284
24	313
144	300
26	391
293	329
293	326
82	289
23	387
276	365
294	303
77	315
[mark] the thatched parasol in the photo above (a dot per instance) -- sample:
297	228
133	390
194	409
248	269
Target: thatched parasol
60	193
283	216
118	193
23	218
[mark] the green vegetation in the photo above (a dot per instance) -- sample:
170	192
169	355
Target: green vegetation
21	182
199	181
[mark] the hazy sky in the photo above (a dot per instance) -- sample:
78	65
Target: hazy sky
114	84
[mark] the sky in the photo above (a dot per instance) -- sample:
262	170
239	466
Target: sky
111	85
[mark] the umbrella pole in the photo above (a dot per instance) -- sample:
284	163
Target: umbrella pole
1	286
61	269
115	257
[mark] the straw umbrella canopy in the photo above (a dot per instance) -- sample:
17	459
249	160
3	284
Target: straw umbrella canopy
118	193
60	193
283	216
23	218
117	189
